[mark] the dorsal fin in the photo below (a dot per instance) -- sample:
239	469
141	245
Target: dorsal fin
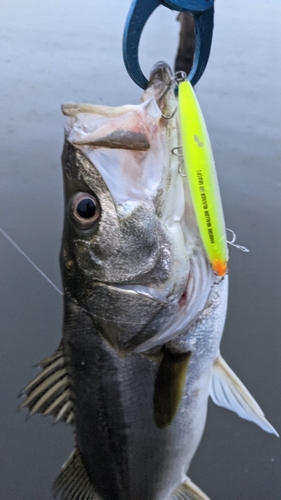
49	393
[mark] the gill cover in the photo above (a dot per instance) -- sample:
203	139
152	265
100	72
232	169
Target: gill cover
202	179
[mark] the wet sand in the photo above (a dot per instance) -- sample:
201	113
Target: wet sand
57	52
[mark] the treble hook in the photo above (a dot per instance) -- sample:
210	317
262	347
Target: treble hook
179	76
140	10
175	152
233	244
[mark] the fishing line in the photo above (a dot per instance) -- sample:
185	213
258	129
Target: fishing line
30	261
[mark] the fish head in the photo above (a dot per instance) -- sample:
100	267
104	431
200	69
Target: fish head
130	230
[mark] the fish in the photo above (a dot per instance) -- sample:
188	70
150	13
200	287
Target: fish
144	311
186	46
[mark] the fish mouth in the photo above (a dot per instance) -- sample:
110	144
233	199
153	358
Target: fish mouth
155	294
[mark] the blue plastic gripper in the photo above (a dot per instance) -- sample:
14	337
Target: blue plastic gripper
140	11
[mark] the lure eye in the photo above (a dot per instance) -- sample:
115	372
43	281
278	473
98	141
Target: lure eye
84	209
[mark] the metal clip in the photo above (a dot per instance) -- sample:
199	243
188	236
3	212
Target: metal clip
180	76
140	11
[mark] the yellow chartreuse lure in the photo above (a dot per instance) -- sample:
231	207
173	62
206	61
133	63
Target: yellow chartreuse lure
202	179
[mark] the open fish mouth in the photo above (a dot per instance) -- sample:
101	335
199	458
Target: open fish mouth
149	292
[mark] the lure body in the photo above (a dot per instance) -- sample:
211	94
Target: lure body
202	179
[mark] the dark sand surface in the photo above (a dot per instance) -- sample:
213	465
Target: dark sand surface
54	52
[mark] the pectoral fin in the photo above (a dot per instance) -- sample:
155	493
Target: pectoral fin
188	491
49	393
73	482
228	391
169	386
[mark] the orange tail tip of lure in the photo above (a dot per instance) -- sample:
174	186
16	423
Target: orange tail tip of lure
220	268
202	179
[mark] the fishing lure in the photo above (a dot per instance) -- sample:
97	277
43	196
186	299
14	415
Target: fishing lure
202	178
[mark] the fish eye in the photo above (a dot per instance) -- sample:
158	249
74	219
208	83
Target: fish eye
84	209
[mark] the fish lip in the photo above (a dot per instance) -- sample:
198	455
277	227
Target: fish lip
152	293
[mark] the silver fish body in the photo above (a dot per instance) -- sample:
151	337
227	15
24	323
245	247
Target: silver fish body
144	312
127	456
